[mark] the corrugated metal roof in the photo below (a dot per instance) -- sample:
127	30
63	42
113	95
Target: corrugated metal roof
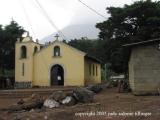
152	41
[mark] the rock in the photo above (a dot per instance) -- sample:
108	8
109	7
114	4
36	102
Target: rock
20	102
106	85
45	117
57	96
32	110
95	88
27	106
34	101
18	117
32	98
40	110
50	103
83	95
69	101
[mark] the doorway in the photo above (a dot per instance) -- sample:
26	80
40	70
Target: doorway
57	75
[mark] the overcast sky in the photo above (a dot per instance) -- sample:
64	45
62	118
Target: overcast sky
62	12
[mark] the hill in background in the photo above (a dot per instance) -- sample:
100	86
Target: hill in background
76	31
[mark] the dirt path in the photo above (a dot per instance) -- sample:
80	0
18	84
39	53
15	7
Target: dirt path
108	105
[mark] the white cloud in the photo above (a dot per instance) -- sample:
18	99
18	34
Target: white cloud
62	13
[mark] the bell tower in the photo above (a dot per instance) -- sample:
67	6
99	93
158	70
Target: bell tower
24	55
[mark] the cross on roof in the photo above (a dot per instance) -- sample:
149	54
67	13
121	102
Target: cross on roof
56	36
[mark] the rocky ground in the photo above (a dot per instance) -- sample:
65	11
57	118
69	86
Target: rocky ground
107	105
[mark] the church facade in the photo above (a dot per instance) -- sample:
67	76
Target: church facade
52	65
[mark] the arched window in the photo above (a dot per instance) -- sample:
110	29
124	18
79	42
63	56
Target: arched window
35	49
90	72
96	70
23	52
93	70
56	51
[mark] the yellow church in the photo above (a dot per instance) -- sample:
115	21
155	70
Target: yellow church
55	64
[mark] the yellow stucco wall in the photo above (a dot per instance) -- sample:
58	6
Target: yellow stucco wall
28	61
38	65
71	60
92	75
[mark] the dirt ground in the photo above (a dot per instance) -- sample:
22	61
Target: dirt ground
108	105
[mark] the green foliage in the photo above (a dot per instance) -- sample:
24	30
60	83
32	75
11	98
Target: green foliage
8	37
92	47
8	73
132	23
103	77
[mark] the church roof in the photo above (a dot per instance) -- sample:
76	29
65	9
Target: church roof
93	58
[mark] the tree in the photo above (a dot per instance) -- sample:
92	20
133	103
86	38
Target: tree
132	23
92	47
82	44
8	37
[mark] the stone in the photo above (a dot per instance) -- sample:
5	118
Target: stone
32	98
20	102
57	96
69	101
95	88
34	101
106	85
26	106
45	117
50	103
32	110
18	117
40	110
83	95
